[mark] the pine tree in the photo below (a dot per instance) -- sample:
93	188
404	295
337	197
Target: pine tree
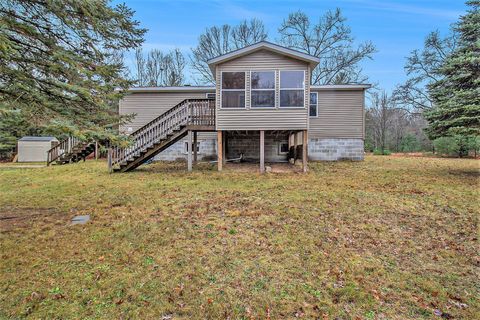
60	60
456	96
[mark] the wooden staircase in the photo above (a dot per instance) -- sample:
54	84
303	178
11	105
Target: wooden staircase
70	150
162	132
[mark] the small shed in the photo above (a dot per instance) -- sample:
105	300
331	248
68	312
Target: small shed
34	149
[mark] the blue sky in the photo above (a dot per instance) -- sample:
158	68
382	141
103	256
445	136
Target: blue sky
396	27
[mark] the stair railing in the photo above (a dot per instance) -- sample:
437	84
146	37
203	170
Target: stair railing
195	112
64	147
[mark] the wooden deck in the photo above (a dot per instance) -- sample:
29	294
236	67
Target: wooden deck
190	115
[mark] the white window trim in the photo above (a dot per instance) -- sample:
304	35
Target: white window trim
316	105
292	89
221	91
274	90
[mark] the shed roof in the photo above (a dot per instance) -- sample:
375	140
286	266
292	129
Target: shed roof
31	138
263	45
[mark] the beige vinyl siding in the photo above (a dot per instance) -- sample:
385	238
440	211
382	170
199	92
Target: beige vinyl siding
262	118
149	105
33	151
340	114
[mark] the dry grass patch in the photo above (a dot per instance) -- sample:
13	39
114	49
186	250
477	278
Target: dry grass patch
387	238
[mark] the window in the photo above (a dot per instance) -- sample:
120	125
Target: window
292	88
185	147
283	148
210	96
313	104
233	90
263	89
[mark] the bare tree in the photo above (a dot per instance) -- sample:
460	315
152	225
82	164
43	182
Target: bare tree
219	40
389	127
398	128
378	119
140	67
331	40
160	69
422	68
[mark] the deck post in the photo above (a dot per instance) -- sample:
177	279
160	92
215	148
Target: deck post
262	151
289	144
305	150
295	145
195	151
224	147
189	151
219	150
109	159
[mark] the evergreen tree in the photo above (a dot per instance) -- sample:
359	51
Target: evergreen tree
456	96
61	66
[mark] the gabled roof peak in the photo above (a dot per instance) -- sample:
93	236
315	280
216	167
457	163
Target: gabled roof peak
312	60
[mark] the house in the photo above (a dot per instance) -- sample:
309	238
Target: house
262	108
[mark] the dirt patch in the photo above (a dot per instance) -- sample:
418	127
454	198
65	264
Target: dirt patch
22	166
411	154
428	155
255	167
19	218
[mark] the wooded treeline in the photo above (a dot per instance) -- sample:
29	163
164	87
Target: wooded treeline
438	107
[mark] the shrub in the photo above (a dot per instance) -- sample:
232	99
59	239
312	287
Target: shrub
457	145
378	152
446	146
409	143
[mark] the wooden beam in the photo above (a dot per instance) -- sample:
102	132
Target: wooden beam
262	151
305	150
295	145
189	151
290	144
219	150
109	159
195	151
224	147
96	150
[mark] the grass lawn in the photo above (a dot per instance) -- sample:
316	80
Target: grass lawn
387	238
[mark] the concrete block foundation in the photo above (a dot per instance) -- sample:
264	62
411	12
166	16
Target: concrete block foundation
249	146
335	149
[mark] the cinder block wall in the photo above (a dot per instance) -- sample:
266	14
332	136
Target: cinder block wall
249	145
207	151
335	149
318	149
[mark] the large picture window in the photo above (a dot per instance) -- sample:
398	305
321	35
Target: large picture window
292	88
313	104
262	89
233	89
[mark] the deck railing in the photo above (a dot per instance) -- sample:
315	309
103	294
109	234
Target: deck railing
190	112
64	147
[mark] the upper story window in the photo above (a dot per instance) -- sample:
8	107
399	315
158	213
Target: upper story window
292	88
233	90
262	89
313	110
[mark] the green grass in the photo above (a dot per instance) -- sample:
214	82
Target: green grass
387	238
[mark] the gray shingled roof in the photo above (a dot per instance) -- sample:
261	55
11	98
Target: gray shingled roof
30	138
